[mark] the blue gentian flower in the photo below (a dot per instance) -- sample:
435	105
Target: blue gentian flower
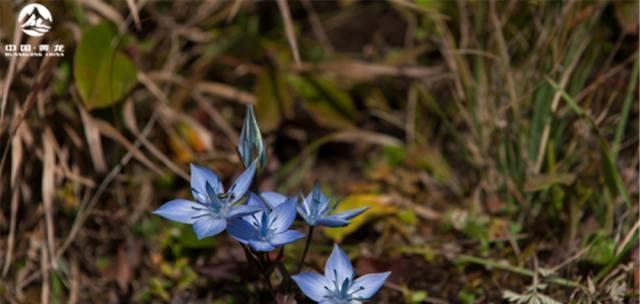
267	229
273	199
337	285
315	210
212	207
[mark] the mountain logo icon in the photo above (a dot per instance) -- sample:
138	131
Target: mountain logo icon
35	20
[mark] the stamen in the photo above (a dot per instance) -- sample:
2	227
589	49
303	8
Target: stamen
361	288
273	220
199	216
256	222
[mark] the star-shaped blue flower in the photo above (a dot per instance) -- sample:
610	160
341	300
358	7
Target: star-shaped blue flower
337	285
267	229
315	210
212	207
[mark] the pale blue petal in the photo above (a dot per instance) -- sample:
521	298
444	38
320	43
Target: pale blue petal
349	214
316	194
242	231
208	226
261	245
286	237
312	285
213	198
180	210
323	208
338	267
199	177
332	221
367	285
242	183
242	210
273	199
255	218
305	216
306	205
283	216
255	200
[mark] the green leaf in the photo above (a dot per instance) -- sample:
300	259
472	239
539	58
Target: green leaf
602	249
273	100
329	105
103	75
419	296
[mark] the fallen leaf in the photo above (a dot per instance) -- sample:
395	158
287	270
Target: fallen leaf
378	206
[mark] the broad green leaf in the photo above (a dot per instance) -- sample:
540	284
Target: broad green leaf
602	249
379	206
329	105
273	100
103	75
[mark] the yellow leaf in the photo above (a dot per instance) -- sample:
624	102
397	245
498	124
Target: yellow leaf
379	205
192	137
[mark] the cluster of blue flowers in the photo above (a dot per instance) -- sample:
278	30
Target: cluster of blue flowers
262	221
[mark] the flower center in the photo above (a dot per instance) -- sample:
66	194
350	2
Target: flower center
340	294
263	225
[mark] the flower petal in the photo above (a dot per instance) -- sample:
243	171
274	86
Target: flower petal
255	200
316	194
208	226
338	267
242	210
261	245
199	177
180	210
305	215
305	204
242	183
312	285
367	285
286	237
332	221
273	199
349	214
242	231
283	216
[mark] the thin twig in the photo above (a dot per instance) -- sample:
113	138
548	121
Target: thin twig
11	239
288	27
85	210
17	36
518	270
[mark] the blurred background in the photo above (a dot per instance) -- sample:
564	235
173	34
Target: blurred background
495	141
